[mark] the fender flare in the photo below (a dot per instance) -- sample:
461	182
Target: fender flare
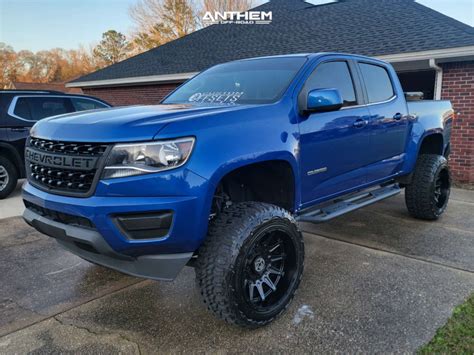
229	167
430	133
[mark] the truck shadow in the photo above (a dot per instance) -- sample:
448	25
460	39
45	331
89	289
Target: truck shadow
387	226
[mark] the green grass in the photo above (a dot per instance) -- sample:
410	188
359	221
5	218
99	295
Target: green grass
457	335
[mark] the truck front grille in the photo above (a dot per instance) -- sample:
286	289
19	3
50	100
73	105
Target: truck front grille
68	147
57	166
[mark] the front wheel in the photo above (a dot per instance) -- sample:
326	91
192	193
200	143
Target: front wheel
251	263
427	195
8	177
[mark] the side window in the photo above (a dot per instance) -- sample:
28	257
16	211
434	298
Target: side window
333	75
81	104
22	109
377	82
44	106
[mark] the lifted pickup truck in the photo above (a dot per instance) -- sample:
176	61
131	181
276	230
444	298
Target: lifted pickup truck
217	176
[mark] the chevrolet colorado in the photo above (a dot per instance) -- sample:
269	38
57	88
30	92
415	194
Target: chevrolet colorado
217	176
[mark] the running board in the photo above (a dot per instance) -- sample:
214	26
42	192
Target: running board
342	206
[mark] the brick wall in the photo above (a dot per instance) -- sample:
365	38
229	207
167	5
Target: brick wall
458	86
132	95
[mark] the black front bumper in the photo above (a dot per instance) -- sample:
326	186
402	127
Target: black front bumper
91	246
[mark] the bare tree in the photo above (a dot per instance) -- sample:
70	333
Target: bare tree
161	21
8	66
55	65
226	5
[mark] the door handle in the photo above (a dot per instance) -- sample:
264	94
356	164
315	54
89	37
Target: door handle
398	116
19	129
360	123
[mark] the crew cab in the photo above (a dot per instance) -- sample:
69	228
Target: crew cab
218	175
19	111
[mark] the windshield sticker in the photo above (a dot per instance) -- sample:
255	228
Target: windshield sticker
218	97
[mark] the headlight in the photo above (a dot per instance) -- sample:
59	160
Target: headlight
145	158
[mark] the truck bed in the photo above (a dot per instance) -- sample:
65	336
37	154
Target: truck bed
430	108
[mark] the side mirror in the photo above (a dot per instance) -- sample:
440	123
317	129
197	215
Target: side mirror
324	100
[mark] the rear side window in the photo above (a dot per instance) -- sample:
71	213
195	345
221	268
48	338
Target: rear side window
377	82
22	109
81	104
333	75
38	107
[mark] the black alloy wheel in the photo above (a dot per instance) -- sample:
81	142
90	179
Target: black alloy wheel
250	264
268	269
427	195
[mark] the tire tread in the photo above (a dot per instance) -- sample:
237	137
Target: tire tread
418	196
218	253
13	177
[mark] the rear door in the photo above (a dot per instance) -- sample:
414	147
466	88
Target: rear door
388	125
333	145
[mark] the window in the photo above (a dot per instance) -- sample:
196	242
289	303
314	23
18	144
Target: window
377	82
38	107
333	75
22	109
419	81
255	81
82	104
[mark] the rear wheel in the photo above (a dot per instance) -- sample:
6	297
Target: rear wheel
8	177
427	195
251	263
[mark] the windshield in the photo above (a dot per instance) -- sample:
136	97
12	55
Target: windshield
256	81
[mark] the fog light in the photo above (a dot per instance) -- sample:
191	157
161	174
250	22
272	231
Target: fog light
145	225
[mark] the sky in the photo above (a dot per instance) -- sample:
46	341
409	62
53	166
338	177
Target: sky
44	24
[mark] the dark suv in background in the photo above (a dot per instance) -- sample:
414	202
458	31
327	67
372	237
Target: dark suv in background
19	111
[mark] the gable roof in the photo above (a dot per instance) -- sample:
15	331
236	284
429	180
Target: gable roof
367	27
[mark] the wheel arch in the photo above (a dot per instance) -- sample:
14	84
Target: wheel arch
432	143
12	154
265	180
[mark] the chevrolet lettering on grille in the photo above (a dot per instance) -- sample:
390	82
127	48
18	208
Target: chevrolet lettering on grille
60	161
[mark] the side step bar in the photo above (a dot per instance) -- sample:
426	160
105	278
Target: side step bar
342	206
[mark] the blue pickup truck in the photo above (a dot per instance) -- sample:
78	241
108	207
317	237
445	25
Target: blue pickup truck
217	176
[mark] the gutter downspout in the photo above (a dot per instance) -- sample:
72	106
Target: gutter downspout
438	79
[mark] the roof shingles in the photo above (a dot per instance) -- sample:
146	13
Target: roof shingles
368	27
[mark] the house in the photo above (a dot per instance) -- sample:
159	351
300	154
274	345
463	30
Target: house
431	52
55	86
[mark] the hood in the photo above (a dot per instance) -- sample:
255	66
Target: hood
121	124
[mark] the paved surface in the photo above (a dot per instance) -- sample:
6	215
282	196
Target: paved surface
374	280
13	204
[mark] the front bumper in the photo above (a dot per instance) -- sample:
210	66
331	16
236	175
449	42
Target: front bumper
126	243
90	245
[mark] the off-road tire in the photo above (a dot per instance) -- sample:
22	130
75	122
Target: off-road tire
221	256
421	194
7	167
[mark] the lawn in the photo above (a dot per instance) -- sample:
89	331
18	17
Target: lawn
457	335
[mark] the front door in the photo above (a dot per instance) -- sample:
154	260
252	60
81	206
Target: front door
333	145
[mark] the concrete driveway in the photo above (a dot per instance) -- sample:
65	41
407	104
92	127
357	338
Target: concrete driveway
13	204
375	281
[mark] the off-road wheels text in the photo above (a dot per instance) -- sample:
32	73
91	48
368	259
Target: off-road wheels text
427	195
8	177
251	263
